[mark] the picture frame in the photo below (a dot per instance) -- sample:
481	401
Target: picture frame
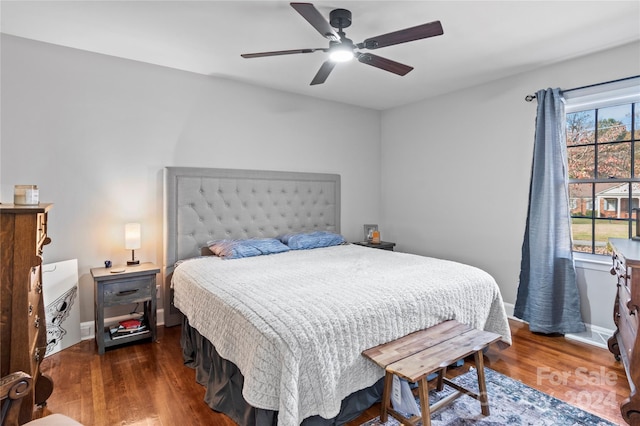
368	231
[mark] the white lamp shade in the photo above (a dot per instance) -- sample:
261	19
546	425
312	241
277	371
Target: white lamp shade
132	236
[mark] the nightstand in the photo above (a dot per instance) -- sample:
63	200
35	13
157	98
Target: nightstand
384	245
135	284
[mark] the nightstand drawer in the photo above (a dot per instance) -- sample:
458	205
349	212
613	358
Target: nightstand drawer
129	291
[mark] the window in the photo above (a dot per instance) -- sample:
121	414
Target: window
610	204
603	156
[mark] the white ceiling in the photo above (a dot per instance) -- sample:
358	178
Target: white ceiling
482	41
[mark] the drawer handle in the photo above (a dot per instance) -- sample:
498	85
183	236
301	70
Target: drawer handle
127	292
30	309
36	322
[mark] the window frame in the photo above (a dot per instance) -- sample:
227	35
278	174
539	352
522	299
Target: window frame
596	98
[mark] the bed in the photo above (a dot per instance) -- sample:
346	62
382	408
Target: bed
277	339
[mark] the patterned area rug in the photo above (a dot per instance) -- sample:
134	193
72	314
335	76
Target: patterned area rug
510	403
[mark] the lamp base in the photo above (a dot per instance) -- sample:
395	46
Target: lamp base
133	262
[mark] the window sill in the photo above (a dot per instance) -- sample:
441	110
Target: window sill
597	262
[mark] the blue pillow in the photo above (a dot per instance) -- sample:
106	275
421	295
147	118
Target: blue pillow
235	249
310	240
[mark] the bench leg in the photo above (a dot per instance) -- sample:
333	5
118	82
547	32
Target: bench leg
482	385
423	394
440	381
386	397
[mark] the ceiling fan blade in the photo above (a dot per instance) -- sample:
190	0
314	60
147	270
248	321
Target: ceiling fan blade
323	73
280	52
402	36
384	63
315	18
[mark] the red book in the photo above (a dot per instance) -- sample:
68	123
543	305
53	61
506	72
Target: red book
131	323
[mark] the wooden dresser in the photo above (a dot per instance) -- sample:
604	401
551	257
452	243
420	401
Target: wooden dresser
624	343
23	233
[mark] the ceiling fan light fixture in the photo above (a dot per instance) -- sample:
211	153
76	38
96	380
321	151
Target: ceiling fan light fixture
341	55
342	49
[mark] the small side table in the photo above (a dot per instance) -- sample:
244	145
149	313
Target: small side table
384	245
136	284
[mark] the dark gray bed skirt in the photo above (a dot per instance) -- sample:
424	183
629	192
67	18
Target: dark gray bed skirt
223	382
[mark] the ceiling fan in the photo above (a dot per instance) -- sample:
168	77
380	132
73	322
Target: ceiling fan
342	49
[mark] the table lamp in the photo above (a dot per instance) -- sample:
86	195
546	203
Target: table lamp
132	241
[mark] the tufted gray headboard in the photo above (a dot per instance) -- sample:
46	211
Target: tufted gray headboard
204	204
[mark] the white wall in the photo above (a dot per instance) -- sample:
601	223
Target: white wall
455	172
94	133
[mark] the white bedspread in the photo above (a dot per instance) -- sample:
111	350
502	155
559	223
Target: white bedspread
296	323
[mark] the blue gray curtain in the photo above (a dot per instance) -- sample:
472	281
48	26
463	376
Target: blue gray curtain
548	297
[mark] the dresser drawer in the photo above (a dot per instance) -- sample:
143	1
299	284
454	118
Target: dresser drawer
628	327
129	291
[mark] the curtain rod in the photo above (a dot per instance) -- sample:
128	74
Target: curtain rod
530	98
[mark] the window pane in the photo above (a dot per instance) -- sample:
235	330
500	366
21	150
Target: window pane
580	199
581	162
609	197
609	228
581	234
581	127
614	160
614	123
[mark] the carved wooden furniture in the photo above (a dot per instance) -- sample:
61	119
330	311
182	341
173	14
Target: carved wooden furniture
136	284
624	342
23	233
13	388
417	355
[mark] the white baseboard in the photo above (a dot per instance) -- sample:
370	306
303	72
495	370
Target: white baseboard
510	307
595	335
87	329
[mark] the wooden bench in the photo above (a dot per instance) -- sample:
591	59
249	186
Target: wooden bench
417	355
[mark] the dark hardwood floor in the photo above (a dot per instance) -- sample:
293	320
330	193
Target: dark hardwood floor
147	383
